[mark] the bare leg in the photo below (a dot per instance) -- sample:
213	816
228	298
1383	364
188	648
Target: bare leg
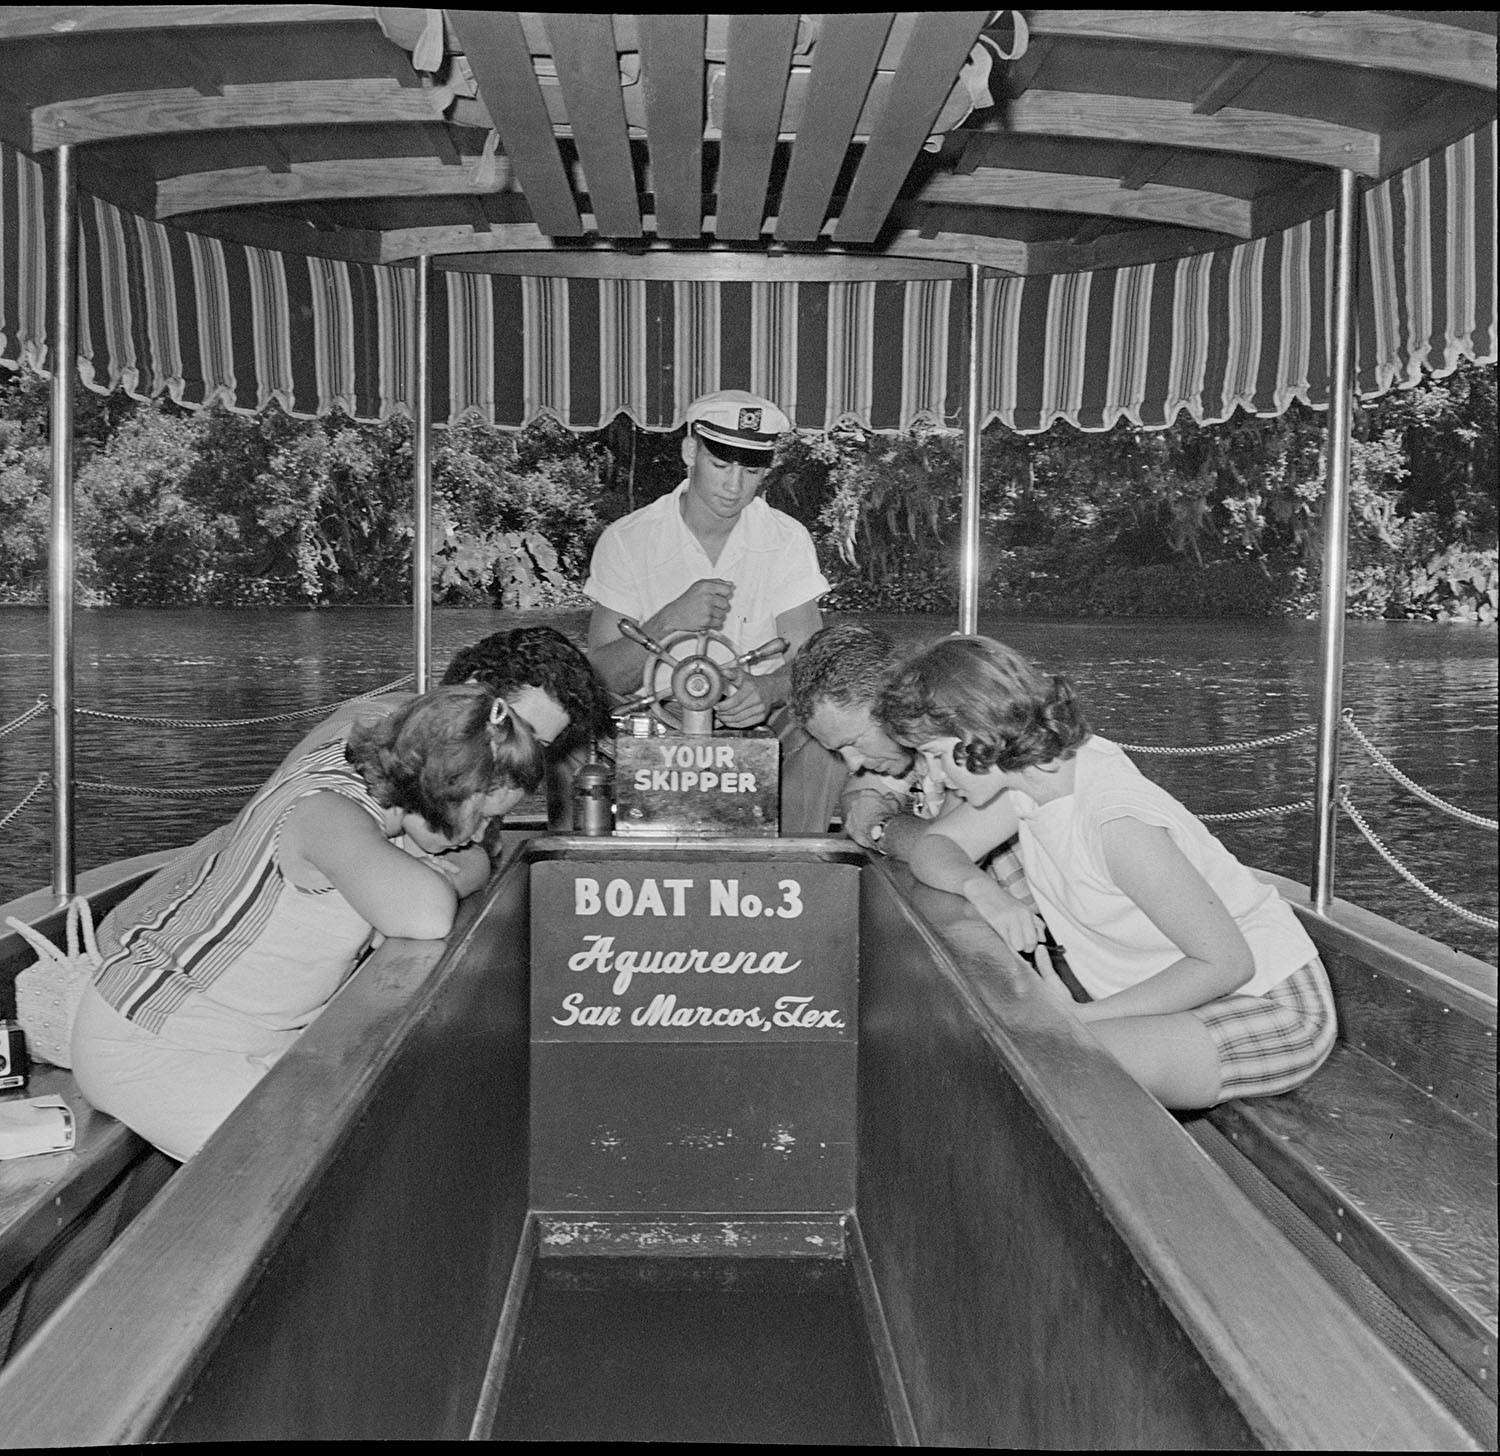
1172	1057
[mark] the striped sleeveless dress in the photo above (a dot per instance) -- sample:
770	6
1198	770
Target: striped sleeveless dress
219	950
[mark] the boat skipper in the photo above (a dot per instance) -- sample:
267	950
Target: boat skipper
712	556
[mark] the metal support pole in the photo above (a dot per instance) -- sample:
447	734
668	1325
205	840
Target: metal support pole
968	599
60	571
1335	544
421	544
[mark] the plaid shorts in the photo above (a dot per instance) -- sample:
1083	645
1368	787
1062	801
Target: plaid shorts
1268	1044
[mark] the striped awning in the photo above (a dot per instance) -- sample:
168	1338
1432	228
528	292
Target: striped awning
1249	327
168	312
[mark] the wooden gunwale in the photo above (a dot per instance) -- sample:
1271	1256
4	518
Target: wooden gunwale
210	1251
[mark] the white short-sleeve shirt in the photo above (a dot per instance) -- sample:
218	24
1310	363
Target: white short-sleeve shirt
649	558
1110	942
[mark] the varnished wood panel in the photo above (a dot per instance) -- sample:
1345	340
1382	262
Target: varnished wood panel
1434	1046
306	181
60	20
1061	1268
672	77
496	49
844	62
588	69
1175	123
1405	1188
759	54
1393	41
182	109
940	43
1064	192
333	1262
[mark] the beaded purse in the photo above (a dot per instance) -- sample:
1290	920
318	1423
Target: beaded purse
48	992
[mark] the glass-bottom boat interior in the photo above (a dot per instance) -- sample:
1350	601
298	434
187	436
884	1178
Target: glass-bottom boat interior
719	1142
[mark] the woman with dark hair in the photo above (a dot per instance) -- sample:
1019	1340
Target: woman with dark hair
214	967
1202	983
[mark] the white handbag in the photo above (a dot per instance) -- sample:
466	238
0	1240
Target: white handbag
48	992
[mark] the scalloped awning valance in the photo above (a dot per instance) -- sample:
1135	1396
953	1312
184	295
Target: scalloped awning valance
168	312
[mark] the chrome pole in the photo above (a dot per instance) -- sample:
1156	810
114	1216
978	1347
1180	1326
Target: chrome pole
968	598
1335	544
60	569
421	545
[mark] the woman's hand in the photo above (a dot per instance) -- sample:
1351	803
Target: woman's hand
1018	925
865	811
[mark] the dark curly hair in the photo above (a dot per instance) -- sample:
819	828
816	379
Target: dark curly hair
540	657
848	664
1004	713
433	754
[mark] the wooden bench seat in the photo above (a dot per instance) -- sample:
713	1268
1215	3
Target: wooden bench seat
1389	1153
1353	1149
59	1211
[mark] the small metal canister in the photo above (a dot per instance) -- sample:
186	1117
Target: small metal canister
15	1063
594	800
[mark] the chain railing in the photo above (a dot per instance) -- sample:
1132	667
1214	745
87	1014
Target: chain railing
142	791
1344	802
1270	811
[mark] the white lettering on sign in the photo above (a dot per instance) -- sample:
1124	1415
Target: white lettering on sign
574	1011
601	956
664	1011
621	898
674	781
699	755
724	898
799	1011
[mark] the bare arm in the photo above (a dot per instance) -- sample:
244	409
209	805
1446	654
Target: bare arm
758	695
396	893
621	662
945	854
1216	960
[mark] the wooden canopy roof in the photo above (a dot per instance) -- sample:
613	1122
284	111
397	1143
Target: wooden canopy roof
741	145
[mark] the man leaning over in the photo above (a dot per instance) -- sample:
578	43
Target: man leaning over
887	802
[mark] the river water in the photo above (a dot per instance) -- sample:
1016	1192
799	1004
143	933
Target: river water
1425	694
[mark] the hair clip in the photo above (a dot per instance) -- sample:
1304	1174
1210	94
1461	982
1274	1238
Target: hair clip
499	712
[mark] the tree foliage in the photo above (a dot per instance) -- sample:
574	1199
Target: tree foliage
214	507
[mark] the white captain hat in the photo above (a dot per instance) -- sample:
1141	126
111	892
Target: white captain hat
738	418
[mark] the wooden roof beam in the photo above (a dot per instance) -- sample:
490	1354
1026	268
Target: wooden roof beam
345	179
374	99
940	44
1164	123
497	53
755	73
588	69
1231	80
1065	192
186	60
1366	38
844	61
20	22
659	261
672	78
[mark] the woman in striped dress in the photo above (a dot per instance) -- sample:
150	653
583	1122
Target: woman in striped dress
216	964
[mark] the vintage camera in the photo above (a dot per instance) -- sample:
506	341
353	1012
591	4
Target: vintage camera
15	1064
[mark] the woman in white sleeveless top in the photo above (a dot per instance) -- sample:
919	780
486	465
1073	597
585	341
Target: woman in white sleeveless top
1202	984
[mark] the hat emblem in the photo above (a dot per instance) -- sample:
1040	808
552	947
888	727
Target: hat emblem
750	419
